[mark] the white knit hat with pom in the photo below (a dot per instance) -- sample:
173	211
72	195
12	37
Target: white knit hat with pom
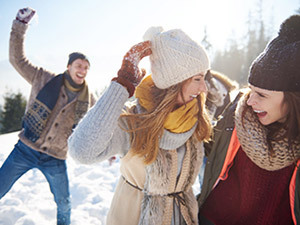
175	57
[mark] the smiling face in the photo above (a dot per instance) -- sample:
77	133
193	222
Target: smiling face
191	89
78	70
268	105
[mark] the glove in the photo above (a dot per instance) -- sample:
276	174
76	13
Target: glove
129	75
25	15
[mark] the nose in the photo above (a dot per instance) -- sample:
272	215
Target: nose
84	70
251	100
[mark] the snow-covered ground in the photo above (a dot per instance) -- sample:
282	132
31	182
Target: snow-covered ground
30	201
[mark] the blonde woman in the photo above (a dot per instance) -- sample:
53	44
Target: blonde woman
158	137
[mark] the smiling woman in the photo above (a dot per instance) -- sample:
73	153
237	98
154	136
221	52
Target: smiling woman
258	141
159	136
191	88
269	106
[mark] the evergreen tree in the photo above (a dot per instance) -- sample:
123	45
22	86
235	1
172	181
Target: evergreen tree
205	42
230	61
12	112
236	59
0	117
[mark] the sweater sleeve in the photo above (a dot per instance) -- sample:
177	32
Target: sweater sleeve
19	60
99	136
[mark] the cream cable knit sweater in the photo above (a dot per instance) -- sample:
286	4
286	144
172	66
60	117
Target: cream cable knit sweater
98	135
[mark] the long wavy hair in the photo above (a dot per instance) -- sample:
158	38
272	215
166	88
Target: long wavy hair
291	125
147	128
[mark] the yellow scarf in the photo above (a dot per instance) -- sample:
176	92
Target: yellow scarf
178	121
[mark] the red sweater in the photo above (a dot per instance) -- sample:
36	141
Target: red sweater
250	195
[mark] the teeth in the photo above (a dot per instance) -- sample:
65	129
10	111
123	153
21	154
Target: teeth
258	111
193	96
80	75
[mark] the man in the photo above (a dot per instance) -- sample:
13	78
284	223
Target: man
55	106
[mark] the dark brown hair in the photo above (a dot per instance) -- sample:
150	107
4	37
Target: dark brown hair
291	125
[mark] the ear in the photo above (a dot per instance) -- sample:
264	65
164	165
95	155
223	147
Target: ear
69	66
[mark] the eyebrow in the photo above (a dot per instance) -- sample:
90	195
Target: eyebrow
261	93
200	75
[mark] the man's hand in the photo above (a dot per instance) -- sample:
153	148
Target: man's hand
25	15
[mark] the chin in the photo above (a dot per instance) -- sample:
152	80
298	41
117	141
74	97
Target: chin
265	123
80	82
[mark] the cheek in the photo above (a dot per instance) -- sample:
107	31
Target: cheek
73	71
184	91
186	94
284	110
179	100
70	70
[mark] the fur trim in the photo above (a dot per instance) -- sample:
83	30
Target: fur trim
157	205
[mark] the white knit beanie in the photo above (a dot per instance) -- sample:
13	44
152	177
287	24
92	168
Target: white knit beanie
175	57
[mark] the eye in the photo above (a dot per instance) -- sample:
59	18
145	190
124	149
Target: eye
261	95
198	78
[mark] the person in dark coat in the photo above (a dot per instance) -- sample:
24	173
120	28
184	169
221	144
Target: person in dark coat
252	171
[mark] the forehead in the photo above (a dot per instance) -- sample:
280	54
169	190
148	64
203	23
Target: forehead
267	92
81	62
199	75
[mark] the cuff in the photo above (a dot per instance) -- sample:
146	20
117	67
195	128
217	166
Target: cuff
126	83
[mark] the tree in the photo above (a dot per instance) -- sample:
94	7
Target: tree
205	43
0	117
230	61
12	112
236	59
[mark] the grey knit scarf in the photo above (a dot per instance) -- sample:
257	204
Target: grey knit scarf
252	137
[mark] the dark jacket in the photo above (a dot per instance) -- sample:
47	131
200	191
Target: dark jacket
217	151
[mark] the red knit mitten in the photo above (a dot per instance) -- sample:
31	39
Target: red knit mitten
129	75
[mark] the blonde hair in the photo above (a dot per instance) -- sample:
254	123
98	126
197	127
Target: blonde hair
147	128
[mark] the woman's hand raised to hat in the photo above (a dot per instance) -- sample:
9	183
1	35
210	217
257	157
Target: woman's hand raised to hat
25	15
130	75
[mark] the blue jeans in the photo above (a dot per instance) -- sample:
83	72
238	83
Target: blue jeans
22	159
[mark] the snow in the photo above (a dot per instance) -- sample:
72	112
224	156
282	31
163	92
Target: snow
30	201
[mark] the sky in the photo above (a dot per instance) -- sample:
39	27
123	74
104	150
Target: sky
105	30
30	201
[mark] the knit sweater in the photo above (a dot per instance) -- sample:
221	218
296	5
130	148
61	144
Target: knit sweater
250	195
53	139
97	140
100	135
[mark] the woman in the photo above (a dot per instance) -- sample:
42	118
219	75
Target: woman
252	172
158	137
